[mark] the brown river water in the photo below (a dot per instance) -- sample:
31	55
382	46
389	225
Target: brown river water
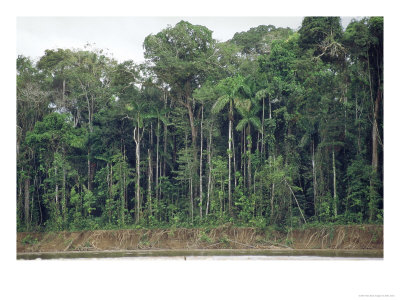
220	254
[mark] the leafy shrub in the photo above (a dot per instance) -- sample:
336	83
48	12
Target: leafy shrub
29	240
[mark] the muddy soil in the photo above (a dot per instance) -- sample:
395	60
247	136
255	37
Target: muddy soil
333	237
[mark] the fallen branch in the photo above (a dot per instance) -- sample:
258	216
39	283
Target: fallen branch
241	243
278	244
311	238
296	202
213	245
69	245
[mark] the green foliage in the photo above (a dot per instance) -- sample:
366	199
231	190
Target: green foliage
29	240
258	39
205	238
301	108
315	30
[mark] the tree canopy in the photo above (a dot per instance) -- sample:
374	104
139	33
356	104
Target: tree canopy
271	128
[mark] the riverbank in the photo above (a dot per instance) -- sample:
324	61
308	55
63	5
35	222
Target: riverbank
349	237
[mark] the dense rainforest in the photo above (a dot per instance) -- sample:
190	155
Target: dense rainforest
273	127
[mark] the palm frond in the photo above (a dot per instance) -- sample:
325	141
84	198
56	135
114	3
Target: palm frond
220	104
242	123
255	122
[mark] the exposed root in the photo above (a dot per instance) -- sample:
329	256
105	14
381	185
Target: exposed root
340	239
311	237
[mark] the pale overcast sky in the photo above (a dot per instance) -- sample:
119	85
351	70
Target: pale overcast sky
124	36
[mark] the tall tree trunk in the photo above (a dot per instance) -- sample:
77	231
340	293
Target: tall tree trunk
194	137
271	155
272	200
157	157
233	155
64	201
262	130
26	202
150	175
201	165
244	157
314	180
209	147
209	169
136	136
56	192
270	108
191	198
121	193
89	185
375	129
63	91
375	132
165	141
90	117
334	184
358	127
248	159
125	178
230	159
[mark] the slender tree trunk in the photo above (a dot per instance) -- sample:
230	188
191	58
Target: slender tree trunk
89	175
121	193
221	197
249	159
244	157
270	108
375	117
375	159
191	198
63	91
26	202
233	155
150	175
358	125
314	180
165	141
157	157
271	155
90	112
272	200
56	192
209	170
201	165
125	178
64	201
111	180
229	159
194	136
136	136
254	182
262	130
334	184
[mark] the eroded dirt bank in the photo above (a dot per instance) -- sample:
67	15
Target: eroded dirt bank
333	237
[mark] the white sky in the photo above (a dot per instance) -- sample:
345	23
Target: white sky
124	36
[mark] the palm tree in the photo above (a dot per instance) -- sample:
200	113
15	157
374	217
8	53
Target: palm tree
233	89
248	109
